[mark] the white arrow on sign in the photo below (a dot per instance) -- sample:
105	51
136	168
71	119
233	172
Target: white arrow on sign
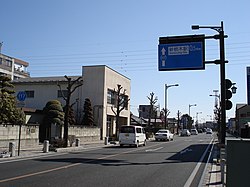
163	51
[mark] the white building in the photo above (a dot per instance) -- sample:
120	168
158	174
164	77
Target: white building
99	85
13	67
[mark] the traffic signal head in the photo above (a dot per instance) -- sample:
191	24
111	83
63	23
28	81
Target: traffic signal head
228	85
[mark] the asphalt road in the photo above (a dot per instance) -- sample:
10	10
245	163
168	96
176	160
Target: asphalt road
176	163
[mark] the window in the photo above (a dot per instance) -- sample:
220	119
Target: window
30	93
111	97
138	130
62	93
127	129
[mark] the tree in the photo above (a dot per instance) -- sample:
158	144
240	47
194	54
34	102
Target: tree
9	114
217	116
187	120
121	104
166	113
152	102
71	117
72	86
88	118
53	113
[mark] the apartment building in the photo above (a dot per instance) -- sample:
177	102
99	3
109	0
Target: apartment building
13	67
100	85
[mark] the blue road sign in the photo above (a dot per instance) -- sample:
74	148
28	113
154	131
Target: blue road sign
21	96
181	56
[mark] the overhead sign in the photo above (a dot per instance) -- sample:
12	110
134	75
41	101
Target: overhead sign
21	96
181	53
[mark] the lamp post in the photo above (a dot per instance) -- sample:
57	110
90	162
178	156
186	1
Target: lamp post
165	111
221	37
189	106
197	120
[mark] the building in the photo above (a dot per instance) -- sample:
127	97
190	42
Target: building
13	67
242	117
100	84
144	111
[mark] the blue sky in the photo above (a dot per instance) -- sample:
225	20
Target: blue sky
58	37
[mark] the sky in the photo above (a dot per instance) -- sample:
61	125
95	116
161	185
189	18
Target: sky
58	37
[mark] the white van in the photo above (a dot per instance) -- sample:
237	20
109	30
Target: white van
132	135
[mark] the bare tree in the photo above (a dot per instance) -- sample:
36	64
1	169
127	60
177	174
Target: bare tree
121	104
71	87
152	101
166	113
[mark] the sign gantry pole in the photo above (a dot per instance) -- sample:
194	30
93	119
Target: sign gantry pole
222	62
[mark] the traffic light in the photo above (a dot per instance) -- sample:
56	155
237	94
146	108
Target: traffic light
228	85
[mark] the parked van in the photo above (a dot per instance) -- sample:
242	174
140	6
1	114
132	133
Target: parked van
132	135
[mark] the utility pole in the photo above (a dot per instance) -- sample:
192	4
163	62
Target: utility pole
221	36
223	87
178	121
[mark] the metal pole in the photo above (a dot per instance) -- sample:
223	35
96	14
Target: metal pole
165	106
223	88
19	140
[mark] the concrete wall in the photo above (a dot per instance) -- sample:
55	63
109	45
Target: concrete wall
30	134
10	133
85	134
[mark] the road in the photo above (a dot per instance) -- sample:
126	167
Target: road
174	163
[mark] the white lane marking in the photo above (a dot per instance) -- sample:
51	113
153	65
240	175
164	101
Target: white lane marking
191	178
151	150
186	150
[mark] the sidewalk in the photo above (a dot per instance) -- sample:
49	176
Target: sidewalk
26	152
213	173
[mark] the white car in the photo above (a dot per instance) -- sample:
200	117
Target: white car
209	131
164	134
185	132
194	132
132	135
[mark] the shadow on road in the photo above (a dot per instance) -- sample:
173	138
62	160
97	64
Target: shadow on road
192	153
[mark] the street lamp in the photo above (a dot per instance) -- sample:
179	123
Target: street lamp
189	106
222	62
197	113
165	111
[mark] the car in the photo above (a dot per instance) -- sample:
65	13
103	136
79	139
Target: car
185	132
200	131
132	135
209	131
164	134
194	132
